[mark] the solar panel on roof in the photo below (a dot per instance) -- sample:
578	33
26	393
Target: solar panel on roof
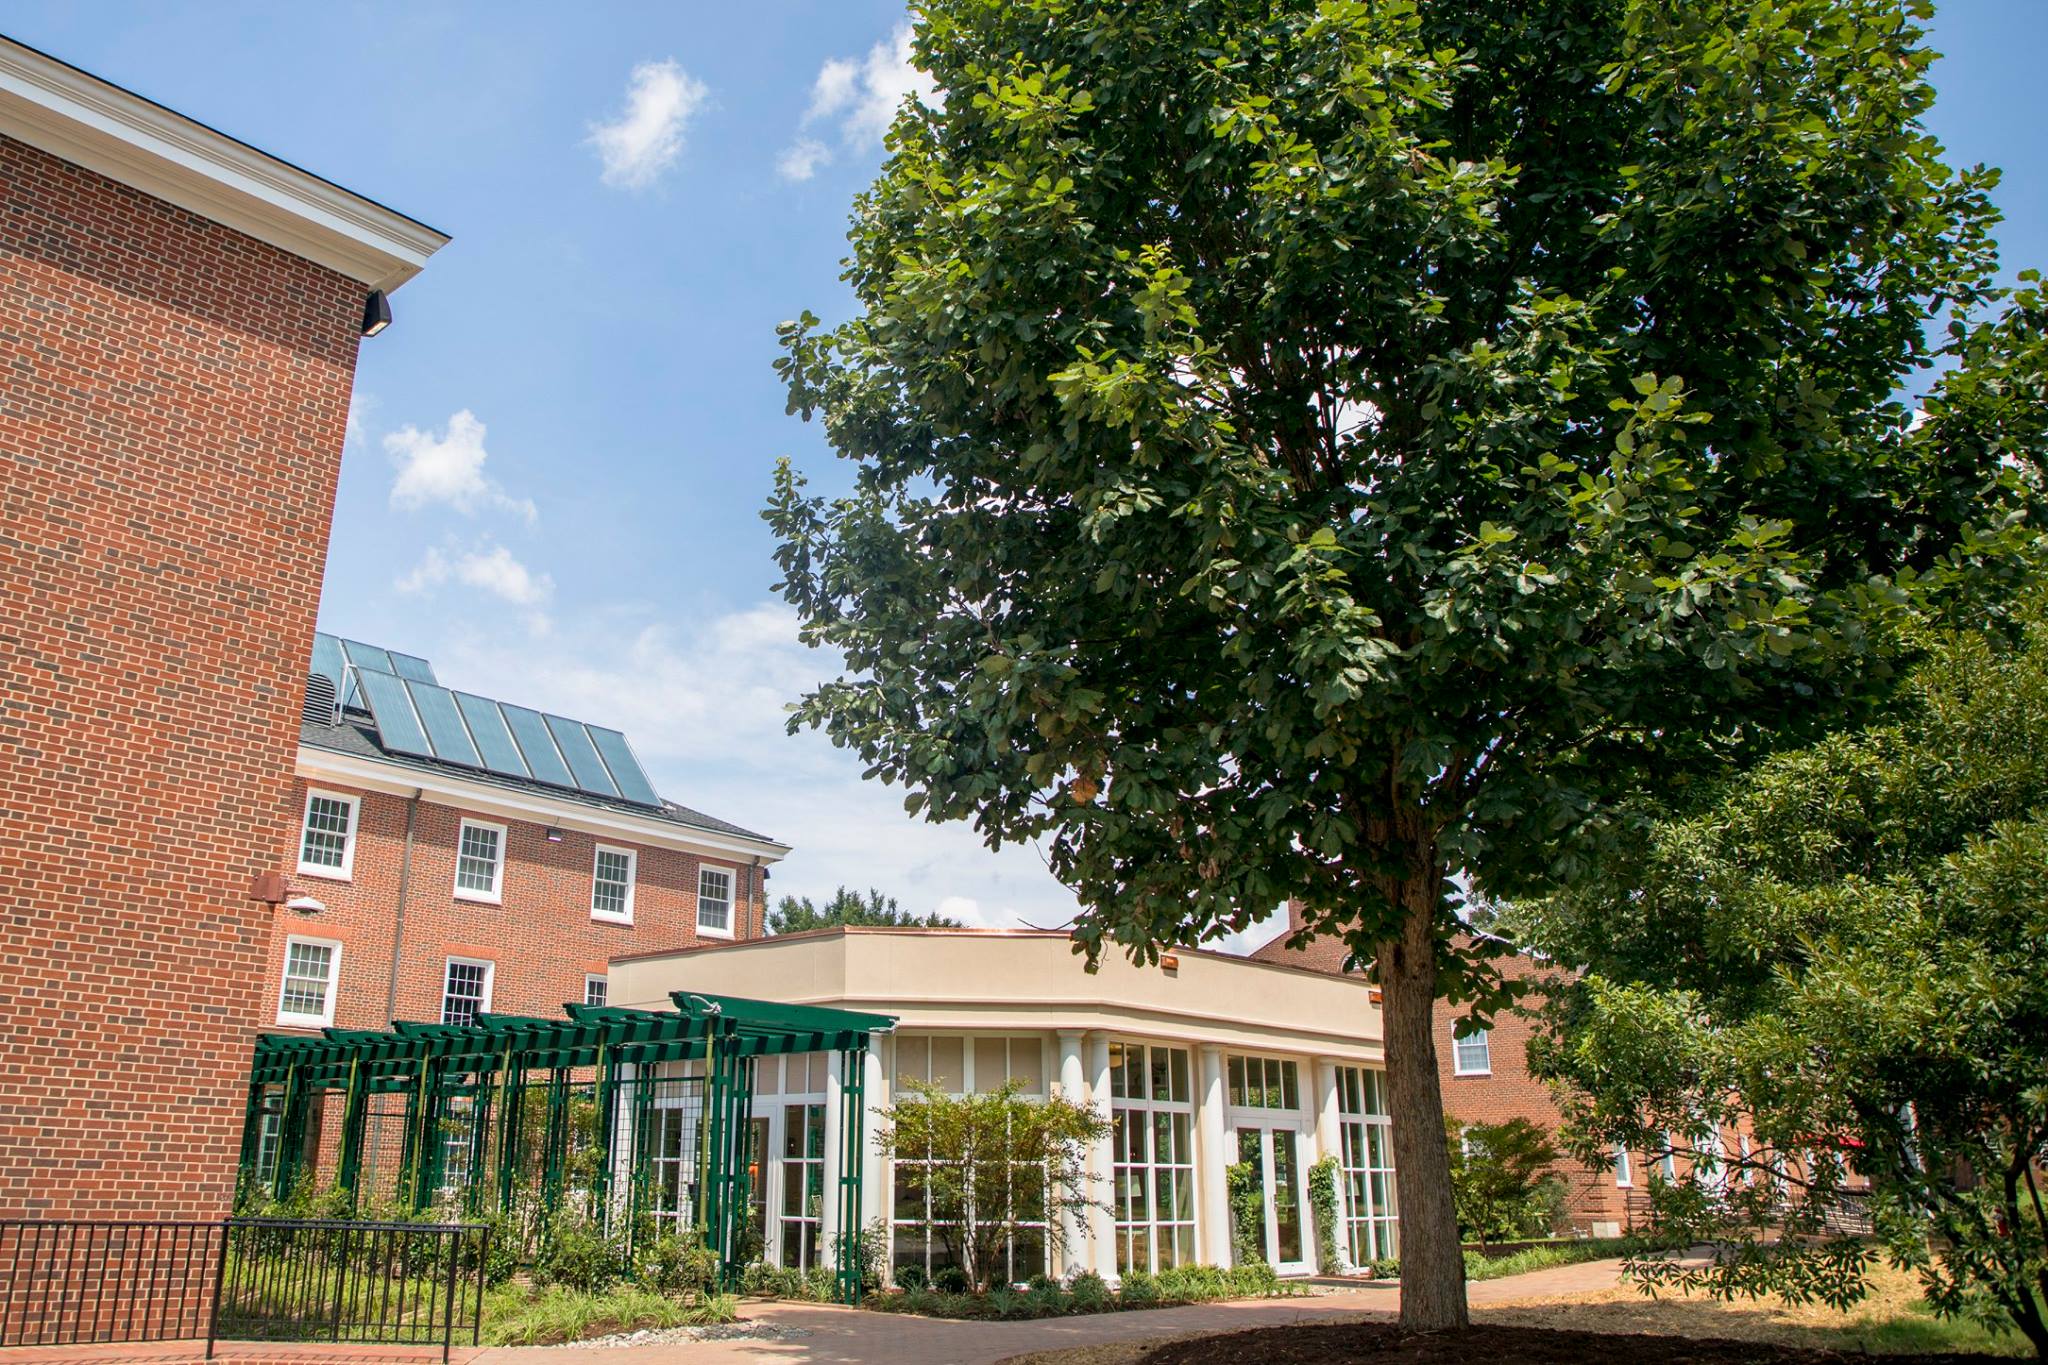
625	769
368	656
536	745
327	660
582	755
445	730
398	726
493	738
409	666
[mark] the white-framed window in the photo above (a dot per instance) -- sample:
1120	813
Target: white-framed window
1152	1154
959	1066
1624	1169
466	989
611	883
1265	1083
480	862
1471	1053
1668	1163
597	990
714	901
1372	1222
327	838
312	967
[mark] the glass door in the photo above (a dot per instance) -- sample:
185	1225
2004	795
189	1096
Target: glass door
1274	1154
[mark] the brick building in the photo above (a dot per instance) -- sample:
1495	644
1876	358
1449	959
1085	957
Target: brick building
179	320
455	855
1485	1079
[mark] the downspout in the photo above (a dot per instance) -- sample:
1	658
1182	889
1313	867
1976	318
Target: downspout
412	807
757	889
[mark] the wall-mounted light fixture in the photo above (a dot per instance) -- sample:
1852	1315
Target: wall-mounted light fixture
376	313
305	905
553	835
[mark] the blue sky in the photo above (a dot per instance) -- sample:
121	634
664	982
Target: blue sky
562	445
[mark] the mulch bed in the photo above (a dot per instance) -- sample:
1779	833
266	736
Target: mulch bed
1389	1344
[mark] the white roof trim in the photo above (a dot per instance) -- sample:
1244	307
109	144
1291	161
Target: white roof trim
481	798
83	119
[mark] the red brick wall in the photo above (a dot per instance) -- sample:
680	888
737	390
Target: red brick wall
172	403
541	937
1508	1091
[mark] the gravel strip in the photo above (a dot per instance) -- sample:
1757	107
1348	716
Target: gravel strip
747	1330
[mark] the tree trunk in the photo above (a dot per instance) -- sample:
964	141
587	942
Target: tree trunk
1432	1264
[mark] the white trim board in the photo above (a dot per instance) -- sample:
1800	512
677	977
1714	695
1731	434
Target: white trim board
93	123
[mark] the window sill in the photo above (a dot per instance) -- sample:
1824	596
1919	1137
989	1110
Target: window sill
304	1021
326	874
706	931
1476	1075
479	897
600	917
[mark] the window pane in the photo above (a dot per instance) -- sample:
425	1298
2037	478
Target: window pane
946	1064
307	968
1180	1075
1027	1064
476	863
612	883
1237	1095
1162	1088
326	839
913	1061
1290	1095
595	990
463	996
1117	1088
714	898
991	1067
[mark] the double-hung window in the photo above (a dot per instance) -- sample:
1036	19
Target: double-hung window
480	862
466	990
714	901
312	966
327	840
596	989
611	884
1471	1052
1624	1169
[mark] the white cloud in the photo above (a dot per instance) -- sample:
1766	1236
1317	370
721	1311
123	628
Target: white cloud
862	96
800	160
448	468
645	139
492	569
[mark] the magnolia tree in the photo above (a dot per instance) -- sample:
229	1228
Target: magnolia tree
1304	449
995	1167
1841	957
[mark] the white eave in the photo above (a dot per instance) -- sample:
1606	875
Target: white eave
485	798
85	120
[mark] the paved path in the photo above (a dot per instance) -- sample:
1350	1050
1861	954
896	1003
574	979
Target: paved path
850	1336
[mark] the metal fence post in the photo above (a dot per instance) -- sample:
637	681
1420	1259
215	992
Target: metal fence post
448	1311
483	1261
220	1276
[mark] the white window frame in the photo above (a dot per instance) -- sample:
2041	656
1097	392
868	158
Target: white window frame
1624	1167
597	978
346	872
732	907
632	857
483	1005
496	895
1485	1035
326	1017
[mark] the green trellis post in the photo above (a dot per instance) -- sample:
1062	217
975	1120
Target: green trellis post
852	1106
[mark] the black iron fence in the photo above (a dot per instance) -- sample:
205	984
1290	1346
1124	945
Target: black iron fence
67	1282
243	1279
300	1280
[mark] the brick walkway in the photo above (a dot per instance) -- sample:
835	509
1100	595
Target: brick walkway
851	1336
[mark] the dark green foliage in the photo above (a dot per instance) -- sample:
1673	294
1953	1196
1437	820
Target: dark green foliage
576	1254
1304	449
796	914
676	1264
1247	1211
1139	1286
1322	1203
950	1279
1089	1292
1501	1179
1844	952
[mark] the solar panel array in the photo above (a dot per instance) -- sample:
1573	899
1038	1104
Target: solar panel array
429	721
335	659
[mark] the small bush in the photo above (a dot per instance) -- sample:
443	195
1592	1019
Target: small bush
1139	1286
578	1256
1193	1283
950	1279
1385	1268
1089	1293
1005	1302
1045	1298
1253	1279
514	1317
911	1278
677	1265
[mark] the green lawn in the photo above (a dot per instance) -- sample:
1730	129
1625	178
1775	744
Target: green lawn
1482	1267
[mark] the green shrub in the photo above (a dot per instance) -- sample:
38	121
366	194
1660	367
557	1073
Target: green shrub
1193	1283
1253	1279
1089	1292
950	1279
1045	1298
912	1278
820	1285
1385	1268
1005	1302
514	1317
1139	1286
1322	1202
675	1264
577	1255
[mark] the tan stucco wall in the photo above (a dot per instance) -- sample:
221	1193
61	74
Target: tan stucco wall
1002	979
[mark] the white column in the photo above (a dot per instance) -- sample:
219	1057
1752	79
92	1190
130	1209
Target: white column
1212	1150
828	1219
1101	1253
1330	1143
874	1193
1073	1085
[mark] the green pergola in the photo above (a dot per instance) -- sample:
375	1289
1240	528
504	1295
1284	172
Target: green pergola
504	1107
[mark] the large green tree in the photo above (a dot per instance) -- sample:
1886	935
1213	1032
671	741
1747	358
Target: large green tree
1302	449
1843	956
